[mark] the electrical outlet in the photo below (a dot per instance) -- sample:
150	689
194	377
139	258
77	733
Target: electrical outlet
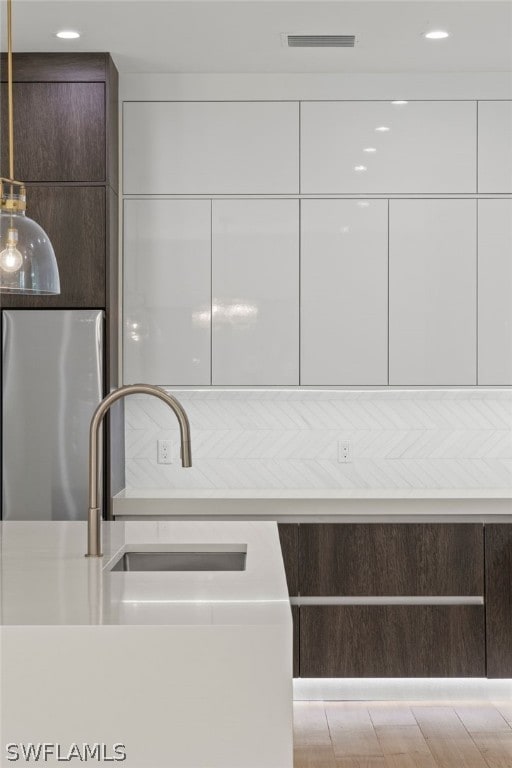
344	452
164	452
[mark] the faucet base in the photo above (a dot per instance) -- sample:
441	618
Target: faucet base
94	533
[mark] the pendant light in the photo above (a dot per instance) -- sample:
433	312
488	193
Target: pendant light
27	260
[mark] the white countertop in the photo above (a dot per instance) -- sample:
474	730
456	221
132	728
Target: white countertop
358	505
315	493
46	580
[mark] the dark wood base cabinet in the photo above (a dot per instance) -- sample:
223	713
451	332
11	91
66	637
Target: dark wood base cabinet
498	599
468	636
392	559
392	641
289	538
296	641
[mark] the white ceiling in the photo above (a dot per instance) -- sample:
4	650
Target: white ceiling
245	36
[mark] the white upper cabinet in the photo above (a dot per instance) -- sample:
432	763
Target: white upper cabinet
211	148
495	146
255	291
380	147
344	292
167	290
432	292
495	292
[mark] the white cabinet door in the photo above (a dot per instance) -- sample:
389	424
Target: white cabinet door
432	292
255	289
495	146
167	288
495	292
423	147
211	147
344	292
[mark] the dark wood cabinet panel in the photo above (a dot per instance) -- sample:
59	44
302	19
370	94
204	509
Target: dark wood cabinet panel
391	559
112	124
74	219
289	537
392	641
296	640
498	598
59	132
112	285
57	67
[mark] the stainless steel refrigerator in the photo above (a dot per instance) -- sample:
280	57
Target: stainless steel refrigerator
53	378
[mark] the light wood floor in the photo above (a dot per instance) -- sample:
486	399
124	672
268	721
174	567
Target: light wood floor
403	735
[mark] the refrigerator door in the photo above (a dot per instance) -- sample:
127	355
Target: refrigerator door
52	382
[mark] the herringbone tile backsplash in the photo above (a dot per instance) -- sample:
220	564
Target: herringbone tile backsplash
275	439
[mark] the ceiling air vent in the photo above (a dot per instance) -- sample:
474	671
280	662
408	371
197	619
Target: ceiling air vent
321	41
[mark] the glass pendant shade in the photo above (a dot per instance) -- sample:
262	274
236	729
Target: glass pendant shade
27	259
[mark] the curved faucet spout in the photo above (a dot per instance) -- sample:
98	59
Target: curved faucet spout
94	516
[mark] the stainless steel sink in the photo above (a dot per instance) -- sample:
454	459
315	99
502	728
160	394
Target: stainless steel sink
181	561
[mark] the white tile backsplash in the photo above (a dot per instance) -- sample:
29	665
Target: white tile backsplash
280	439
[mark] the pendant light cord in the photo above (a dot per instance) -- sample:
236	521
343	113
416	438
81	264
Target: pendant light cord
9	90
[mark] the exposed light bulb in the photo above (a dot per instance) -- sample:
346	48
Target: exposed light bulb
382	128
10	258
369	149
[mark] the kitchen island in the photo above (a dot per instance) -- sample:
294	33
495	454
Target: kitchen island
190	669
420	576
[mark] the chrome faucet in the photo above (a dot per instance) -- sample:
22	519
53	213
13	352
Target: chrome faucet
94	516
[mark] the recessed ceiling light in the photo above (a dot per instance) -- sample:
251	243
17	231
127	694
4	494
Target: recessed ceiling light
360	168
399	103
67	34
369	149
437	34
382	128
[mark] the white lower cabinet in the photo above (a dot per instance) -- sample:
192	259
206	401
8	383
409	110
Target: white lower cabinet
344	292
495	292
255	292
432	292
167	285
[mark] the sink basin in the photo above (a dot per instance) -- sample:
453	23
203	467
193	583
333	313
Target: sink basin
181	561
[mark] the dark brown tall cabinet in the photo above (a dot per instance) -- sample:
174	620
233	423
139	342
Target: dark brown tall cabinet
66	151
